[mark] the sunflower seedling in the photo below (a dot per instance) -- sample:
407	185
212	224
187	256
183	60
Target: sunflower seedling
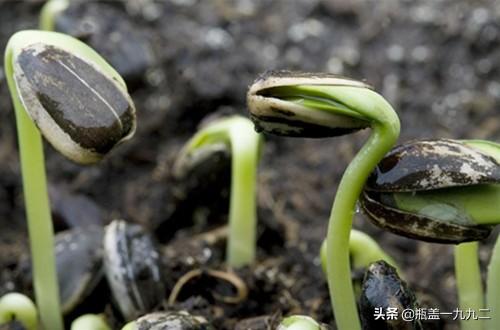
50	11
300	322
90	321
17	307
64	90
236	135
443	191
324	105
363	250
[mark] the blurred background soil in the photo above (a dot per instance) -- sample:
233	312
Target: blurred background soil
437	62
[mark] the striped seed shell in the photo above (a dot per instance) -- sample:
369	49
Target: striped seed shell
132	267
426	165
433	164
79	264
418	226
277	116
81	111
172	320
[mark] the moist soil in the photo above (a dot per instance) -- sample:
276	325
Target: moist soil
435	61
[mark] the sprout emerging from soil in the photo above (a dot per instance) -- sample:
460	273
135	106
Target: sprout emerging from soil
299	322
18	307
90	321
323	105
130	326
444	191
64	90
236	134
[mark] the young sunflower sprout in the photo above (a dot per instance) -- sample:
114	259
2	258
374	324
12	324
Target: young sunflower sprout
324	105
49	12
363	250
18	307
64	90
90	321
300	322
443	191
235	134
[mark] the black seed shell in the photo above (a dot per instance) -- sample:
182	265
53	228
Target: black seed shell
82	101
382	288
433	164
205	169
133	269
202	161
419	227
296	128
79	264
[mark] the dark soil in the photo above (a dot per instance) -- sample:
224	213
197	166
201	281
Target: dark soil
437	62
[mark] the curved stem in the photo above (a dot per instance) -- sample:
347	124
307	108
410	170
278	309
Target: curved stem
470	288
40	228
363	250
493	288
239	134
49	11
242	208
340	223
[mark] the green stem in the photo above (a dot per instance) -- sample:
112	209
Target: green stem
49	12
40	228
340	223
239	134
242	209
363	250
493	288
470	288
